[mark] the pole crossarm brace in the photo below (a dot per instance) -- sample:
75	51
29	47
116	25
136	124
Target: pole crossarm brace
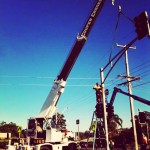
142	100
134	79
131	77
123	46
119	55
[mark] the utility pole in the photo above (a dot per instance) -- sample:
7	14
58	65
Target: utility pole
104	106
130	92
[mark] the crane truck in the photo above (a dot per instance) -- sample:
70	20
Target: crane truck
39	128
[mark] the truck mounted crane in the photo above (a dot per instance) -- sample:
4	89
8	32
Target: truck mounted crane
51	137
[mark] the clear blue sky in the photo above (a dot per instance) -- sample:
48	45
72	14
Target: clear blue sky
35	39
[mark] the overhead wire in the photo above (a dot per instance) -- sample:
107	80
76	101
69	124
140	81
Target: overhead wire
115	31
148	82
116	27
133	69
127	17
139	69
105	56
121	12
146	62
141	74
135	86
117	80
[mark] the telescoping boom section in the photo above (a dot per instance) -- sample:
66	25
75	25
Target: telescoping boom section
60	82
80	41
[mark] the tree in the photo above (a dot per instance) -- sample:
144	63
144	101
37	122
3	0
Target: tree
9	128
58	121
113	123
88	134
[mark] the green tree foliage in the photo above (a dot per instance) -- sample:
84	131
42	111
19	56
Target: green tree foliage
88	134
85	135
125	137
113	123
59	121
9	128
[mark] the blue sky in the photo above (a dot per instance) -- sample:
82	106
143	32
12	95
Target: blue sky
36	37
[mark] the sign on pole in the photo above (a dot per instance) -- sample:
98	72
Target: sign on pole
19	129
77	121
93	126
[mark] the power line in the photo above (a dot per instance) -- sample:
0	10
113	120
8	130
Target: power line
142	84
46	77
140	69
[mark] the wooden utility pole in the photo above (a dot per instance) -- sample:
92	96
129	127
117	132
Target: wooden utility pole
130	92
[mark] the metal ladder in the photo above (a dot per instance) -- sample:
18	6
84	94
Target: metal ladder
99	132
